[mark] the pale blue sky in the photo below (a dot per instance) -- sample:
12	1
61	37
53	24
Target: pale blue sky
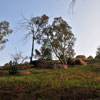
85	23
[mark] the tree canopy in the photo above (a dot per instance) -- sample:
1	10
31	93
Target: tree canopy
4	31
60	39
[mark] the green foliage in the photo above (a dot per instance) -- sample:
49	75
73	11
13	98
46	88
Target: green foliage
98	53
13	70
59	37
44	53
4	31
92	61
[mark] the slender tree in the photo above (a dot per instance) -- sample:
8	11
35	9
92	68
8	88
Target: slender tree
34	27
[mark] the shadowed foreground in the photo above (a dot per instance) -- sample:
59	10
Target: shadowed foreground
52	94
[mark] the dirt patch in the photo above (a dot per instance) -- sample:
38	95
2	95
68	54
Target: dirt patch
52	94
24	73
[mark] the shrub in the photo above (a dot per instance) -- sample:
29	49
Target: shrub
70	61
5	68
13	70
92	61
41	63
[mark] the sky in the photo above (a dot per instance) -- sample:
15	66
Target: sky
84	19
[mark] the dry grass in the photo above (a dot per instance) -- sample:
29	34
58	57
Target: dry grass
56	79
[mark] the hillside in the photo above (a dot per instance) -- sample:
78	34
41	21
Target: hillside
73	83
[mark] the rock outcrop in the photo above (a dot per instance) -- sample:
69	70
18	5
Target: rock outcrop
81	57
90	57
59	66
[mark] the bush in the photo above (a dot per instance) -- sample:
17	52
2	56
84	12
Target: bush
70	61
5	67
41	63
92	61
13	70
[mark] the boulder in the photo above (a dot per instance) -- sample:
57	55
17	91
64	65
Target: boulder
59	66
80	62
77	61
40	63
26	63
6	64
81	57
90	57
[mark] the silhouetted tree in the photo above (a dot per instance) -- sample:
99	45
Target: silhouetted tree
35	26
4	31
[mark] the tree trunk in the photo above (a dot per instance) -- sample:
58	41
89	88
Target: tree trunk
32	51
65	61
61	61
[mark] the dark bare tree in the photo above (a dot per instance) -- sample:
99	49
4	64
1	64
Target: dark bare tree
18	58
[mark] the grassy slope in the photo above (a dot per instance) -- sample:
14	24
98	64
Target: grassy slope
49	79
80	76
